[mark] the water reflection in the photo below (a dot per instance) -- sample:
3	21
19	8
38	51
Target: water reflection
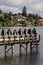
30	59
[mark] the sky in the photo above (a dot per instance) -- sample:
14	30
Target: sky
16	6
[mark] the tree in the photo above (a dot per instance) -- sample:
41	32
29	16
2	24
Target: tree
30	15
8	15
0	11
24	12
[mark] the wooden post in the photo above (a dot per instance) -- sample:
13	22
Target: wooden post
12	50
5	49
20	44
31	47
37	42
36	46
26	47
4	43
39	37
20	49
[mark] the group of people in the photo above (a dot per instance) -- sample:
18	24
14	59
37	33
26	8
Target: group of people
25	31
29	31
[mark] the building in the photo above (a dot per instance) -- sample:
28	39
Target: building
40	21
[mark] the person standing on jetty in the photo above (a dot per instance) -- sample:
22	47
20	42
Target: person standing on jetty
14	32
9	32
19	31
34	32
2	33
29	31
25	31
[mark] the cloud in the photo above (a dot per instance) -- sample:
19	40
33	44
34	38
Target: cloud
13	2
39	7
9	9
33	6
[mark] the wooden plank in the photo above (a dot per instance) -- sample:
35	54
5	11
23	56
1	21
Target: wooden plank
21	38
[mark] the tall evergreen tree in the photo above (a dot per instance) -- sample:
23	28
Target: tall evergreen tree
24	12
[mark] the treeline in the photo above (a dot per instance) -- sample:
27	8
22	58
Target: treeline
6	19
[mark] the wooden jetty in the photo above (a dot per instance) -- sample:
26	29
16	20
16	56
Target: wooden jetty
11	40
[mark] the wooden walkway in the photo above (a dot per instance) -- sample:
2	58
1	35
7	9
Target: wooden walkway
11	40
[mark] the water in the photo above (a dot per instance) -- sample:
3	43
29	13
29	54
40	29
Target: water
34	59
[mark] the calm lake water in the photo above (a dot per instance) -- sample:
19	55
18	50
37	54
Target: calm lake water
34	59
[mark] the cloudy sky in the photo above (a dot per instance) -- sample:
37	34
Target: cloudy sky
15	6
